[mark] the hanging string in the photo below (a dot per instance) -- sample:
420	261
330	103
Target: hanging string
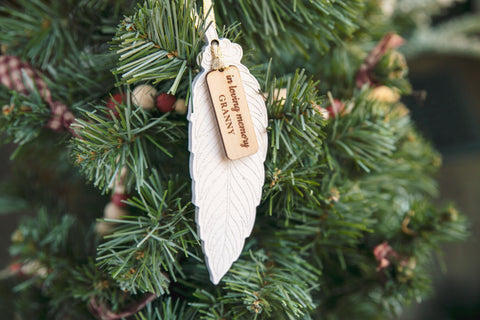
209	16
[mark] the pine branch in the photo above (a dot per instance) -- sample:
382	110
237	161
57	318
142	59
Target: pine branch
338	69
143	253
427	6
362	136
23	117
82	80
455	37
294	119
291	181
44	33
305	25
35	30
296	131
9	204
160	42
339	187
167	309
106	143
48	236
263	285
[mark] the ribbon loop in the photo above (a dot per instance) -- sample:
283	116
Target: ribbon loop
209	15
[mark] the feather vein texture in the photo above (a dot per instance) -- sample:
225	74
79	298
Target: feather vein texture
225	192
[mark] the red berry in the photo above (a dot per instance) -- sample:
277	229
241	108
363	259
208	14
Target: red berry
335	108
15	267
116	99
165	102
118	198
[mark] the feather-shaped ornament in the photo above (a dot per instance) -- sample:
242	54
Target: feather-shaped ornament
228	146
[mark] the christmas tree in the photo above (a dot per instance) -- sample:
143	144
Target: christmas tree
95	95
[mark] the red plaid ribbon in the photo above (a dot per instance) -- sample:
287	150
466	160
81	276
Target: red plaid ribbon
12	75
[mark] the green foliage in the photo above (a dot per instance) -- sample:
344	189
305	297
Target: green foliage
143	253
82	80
48	251
335	188
405	279
364	137
294	116
307	25
411	13
455	37
106	143
11	204
35	30
45	33
160	42
338	69
167	309
296	136
263	285
23	117
52	256
48	237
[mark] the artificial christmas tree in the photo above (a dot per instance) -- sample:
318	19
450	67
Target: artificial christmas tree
345	227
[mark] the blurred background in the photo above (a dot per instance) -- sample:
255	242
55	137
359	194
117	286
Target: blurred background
450	117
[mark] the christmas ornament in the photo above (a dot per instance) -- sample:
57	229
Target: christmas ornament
23	78
144	96
165	102
228	122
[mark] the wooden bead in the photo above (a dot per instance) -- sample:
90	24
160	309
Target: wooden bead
113	211
119	198
144	96
280	95
324	112
180	106
103	228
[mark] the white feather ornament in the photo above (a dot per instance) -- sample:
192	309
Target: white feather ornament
225	192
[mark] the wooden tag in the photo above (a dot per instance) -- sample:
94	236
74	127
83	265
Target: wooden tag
232	112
